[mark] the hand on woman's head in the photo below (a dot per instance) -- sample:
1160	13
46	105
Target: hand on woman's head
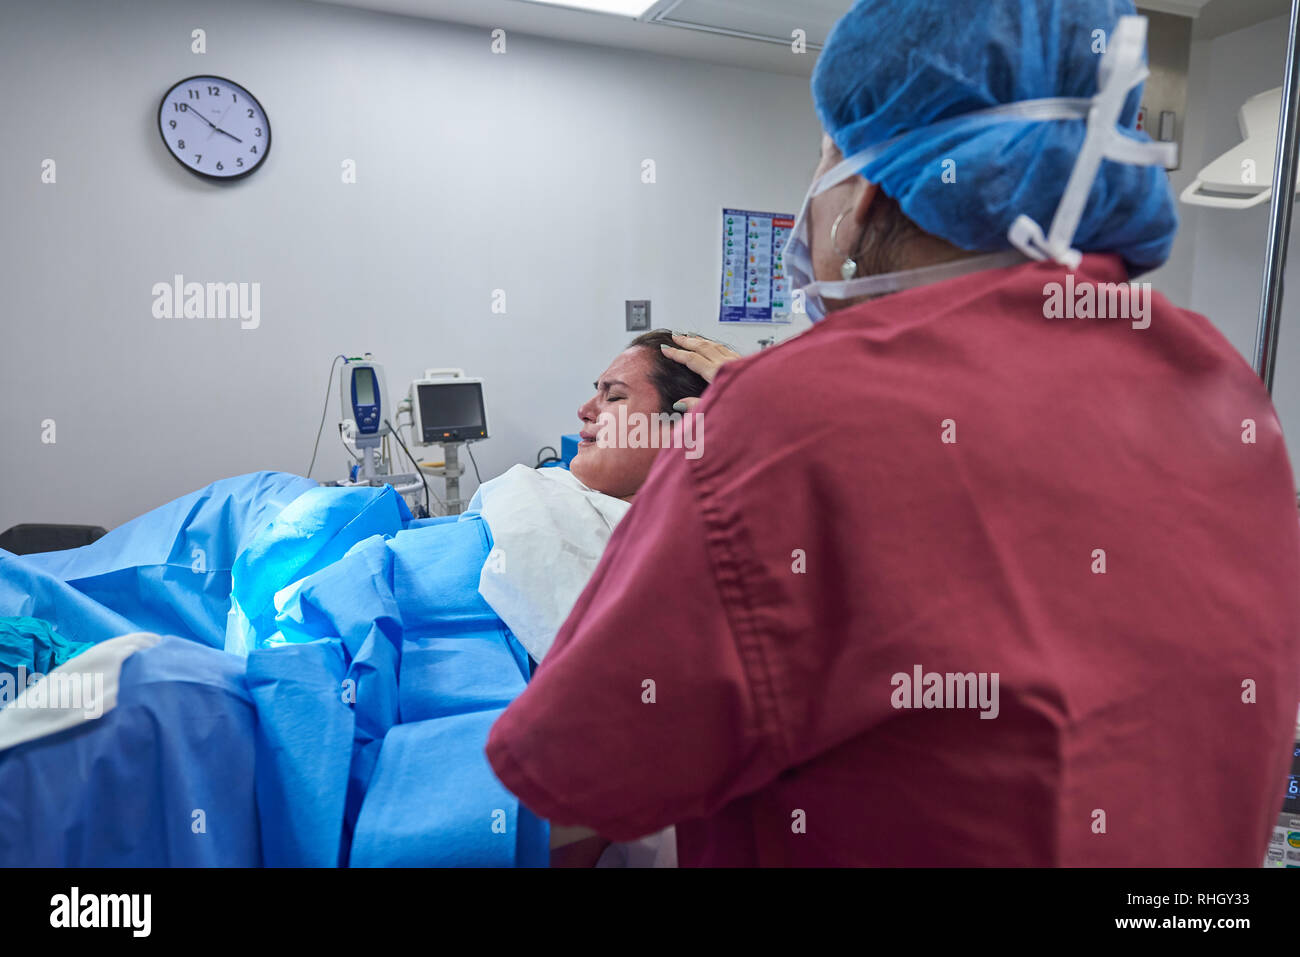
702	356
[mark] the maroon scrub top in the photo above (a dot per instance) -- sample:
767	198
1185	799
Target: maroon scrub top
943	481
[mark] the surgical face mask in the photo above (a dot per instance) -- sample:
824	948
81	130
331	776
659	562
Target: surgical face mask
1120	71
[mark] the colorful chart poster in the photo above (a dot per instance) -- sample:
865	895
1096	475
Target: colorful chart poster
755	284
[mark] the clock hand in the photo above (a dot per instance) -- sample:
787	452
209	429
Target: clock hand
215	128
199	115
220	119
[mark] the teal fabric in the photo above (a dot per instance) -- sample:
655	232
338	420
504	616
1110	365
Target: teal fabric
35	645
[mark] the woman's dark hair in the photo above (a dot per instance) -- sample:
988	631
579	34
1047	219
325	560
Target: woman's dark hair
671	379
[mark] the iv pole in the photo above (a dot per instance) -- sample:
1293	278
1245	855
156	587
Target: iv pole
1280	208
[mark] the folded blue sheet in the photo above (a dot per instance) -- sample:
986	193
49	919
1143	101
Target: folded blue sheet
168	571
360	675
163	779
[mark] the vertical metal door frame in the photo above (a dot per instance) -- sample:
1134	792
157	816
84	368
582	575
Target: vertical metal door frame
1280	208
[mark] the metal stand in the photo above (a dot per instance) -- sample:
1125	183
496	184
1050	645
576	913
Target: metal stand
1280	208
452	471
369	449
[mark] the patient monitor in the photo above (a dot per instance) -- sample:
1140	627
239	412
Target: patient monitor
367	423
446	407
361	389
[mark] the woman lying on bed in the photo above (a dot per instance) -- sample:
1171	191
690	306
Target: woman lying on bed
530	582
551	525
332	669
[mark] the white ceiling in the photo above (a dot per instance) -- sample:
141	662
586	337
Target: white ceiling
747	33
722	31
1186	8
1224	16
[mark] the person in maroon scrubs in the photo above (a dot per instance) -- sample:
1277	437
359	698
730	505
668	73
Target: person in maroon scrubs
965	574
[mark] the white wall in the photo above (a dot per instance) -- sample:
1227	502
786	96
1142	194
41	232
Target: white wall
1218	264
469	165
476	172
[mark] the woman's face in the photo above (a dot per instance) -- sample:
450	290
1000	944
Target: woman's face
613	468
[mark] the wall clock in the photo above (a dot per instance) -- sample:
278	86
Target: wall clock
214	127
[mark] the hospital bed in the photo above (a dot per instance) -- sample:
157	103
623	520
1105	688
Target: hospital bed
310	682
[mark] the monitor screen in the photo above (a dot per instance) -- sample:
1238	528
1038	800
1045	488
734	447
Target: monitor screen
363	383
453	411
1291	799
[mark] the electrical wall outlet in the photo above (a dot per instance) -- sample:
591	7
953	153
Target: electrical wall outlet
638	315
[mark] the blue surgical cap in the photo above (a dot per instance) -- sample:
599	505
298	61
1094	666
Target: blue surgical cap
894	66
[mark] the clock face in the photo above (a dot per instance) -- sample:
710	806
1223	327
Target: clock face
214	127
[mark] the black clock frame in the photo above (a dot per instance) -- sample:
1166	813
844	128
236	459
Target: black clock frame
209	176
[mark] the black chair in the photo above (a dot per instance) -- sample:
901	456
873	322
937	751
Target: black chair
29	539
